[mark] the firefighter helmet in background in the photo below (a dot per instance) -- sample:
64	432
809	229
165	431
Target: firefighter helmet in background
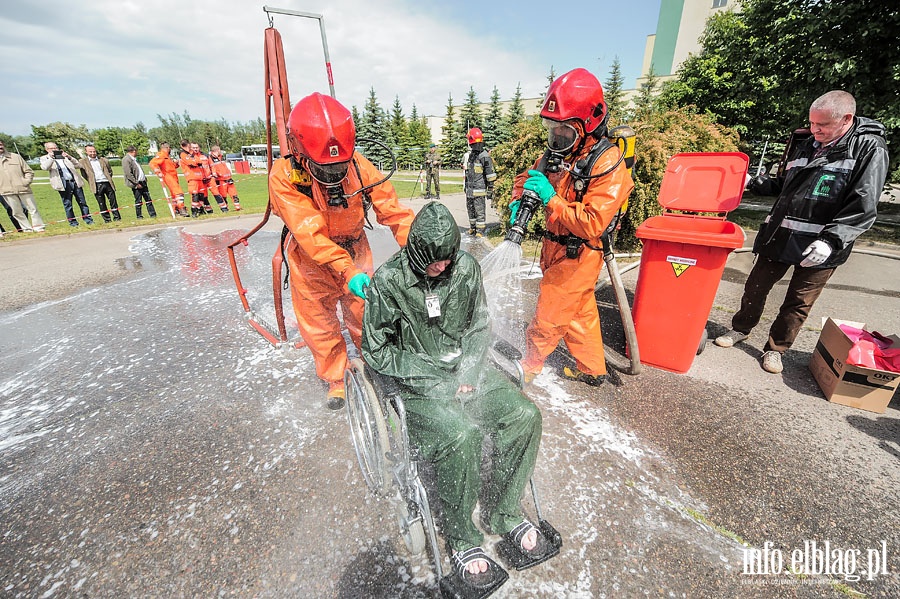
321	130
576	95
475	136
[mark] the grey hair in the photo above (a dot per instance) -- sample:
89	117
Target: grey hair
836	102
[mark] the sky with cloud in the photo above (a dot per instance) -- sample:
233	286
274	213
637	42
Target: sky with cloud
117	62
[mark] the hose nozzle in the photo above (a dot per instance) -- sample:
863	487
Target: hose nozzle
528	204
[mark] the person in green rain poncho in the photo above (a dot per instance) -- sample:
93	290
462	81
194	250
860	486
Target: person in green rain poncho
426	325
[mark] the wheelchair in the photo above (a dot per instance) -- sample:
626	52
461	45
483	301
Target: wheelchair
390	464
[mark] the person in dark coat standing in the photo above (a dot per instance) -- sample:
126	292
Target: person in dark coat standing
136	180
827	198
98	173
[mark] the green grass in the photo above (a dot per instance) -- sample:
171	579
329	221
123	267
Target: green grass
252	190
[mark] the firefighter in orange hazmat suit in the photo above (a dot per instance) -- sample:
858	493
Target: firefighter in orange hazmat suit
223	179
165	168
321	191
579	207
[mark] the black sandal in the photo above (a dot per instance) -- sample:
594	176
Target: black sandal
462	584
512	552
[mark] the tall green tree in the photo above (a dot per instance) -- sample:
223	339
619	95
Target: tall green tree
646	101
759	69
21	144
469	114
495	130
399	132
453	146
374	125
613	92
516	112
419	138
68	137
108	141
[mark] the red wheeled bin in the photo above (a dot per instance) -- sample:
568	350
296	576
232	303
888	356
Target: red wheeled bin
684	255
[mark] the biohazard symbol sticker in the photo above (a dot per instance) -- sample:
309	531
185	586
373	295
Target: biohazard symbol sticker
680	265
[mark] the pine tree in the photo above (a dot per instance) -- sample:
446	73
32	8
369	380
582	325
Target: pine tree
469	114
453	146
550	79
645	102
516	112
355	114
399	132
419	138
374	126
495	131
612	91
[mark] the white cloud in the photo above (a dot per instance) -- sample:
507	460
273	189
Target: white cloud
113	62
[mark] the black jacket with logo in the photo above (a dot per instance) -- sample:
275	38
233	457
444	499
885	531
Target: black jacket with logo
832	197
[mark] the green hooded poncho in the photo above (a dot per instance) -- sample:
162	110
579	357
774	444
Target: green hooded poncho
429	356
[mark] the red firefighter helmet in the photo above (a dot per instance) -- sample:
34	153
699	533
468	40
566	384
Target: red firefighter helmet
321	129
576	95
474	135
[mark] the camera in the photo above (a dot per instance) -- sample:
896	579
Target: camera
57	153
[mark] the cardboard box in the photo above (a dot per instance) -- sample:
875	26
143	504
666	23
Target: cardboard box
864	388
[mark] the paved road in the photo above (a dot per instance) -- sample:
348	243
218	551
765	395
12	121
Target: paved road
152	445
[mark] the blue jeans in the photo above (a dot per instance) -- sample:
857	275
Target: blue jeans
66	195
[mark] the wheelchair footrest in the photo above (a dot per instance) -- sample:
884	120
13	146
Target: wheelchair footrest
514	557
454	587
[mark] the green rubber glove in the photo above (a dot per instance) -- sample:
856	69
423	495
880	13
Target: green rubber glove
513	210
538	183
358	284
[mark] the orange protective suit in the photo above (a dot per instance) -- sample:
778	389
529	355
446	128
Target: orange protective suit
164	167
222	176
326	248
192	165
199	176
566	307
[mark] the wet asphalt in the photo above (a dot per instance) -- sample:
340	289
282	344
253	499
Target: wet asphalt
153	445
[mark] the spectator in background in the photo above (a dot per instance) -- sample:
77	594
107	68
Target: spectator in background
432	173
15	187
98	173
9	212
65	179
137	181
165	168
224	180
827	198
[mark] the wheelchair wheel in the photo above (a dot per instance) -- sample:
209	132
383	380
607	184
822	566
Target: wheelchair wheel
411	528
367	428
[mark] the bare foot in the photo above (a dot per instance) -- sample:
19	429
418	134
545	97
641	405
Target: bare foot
477	567
529	541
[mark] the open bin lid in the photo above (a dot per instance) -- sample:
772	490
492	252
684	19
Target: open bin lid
704	181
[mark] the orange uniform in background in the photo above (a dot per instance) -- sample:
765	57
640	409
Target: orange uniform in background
196	171
164	168
326	248
224	180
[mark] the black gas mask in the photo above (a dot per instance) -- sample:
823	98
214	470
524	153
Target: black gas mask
561	141
331	176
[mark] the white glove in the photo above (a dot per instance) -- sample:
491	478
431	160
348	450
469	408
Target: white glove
816	253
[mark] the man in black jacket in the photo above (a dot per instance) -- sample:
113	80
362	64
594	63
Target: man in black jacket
827	197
